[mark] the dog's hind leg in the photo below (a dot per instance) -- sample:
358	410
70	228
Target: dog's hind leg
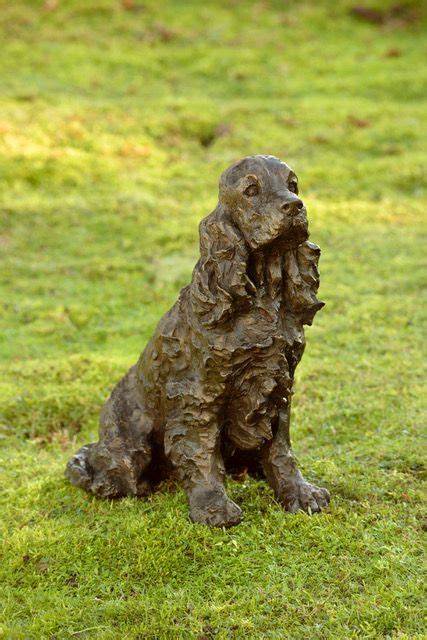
192	444
115	465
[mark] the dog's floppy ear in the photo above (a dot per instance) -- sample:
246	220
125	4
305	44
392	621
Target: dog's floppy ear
219	278
302	281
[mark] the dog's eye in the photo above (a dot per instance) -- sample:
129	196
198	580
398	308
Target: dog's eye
251	191
293	186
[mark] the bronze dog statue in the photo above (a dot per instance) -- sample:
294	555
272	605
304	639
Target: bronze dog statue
211	392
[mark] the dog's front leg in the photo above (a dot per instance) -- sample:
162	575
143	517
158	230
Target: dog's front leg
283	475
192	444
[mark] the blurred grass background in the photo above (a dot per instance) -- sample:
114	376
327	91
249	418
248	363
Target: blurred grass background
116	121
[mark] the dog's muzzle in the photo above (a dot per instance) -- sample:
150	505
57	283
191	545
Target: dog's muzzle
292	205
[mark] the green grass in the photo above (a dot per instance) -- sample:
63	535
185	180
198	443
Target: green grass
115	125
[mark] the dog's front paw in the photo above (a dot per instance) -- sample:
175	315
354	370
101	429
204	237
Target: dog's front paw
211	506
302	495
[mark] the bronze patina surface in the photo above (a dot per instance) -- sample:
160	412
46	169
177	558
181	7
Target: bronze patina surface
211	391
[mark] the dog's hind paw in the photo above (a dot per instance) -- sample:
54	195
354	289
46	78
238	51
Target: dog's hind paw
78	470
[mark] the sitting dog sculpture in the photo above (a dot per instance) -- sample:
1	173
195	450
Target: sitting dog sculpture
211	392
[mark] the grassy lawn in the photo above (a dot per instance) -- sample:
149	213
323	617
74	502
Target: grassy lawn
116	120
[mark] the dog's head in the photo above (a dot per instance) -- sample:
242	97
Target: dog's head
261	195
258	208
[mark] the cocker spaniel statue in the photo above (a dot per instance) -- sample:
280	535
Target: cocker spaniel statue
211	392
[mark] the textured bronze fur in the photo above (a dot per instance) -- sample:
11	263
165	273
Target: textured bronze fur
211	391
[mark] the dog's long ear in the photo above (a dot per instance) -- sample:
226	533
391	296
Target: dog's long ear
302	281
219	279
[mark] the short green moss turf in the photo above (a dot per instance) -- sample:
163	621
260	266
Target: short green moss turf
116	121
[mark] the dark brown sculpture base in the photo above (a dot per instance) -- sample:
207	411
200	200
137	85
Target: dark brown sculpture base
211	392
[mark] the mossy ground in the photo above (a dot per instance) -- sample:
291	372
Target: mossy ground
116	121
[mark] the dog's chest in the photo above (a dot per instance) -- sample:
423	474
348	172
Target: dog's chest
267	320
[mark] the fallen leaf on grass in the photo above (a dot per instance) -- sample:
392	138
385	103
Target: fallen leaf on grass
397	15
394	52
360	123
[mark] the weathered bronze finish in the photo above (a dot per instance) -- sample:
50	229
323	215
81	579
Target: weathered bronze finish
211	392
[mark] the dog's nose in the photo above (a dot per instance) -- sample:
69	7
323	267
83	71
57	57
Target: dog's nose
292	206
